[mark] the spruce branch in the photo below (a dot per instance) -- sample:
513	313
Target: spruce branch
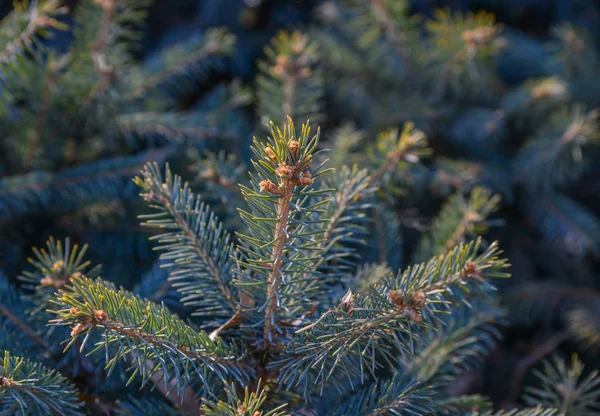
393	31
556	156
281	247
457	219
26	22
463	405
189	60
460	344
346	220
144	332
288	84
387	318
199	249
28	388
393	147
398	396
566	388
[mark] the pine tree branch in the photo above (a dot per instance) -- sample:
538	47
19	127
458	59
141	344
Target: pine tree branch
30	388
362	327
198	249
397	37
38	20
145	332
393	146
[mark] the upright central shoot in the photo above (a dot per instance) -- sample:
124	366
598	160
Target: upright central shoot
280	250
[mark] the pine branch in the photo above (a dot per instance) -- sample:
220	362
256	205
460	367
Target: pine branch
392	30
145	332
395	397
386	320
199	249
280	247
288	85
565	388
457	219
26	22
393	147
460	344
556	157
28	388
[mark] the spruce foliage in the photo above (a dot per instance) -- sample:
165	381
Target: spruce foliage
326	239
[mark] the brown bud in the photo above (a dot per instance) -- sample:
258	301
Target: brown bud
305	179
470	268
277	70
74	311
47	281
78	329
396	298
100	316
294	145
419	299
414	316
269	186
473	216
6	382
284	170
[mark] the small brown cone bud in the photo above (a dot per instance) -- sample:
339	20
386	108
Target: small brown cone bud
284	170
269	186
100	316
305	179
78	329
294	145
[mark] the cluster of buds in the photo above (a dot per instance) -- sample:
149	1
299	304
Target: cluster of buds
89	322
296	62
297	175
409	305
284	170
